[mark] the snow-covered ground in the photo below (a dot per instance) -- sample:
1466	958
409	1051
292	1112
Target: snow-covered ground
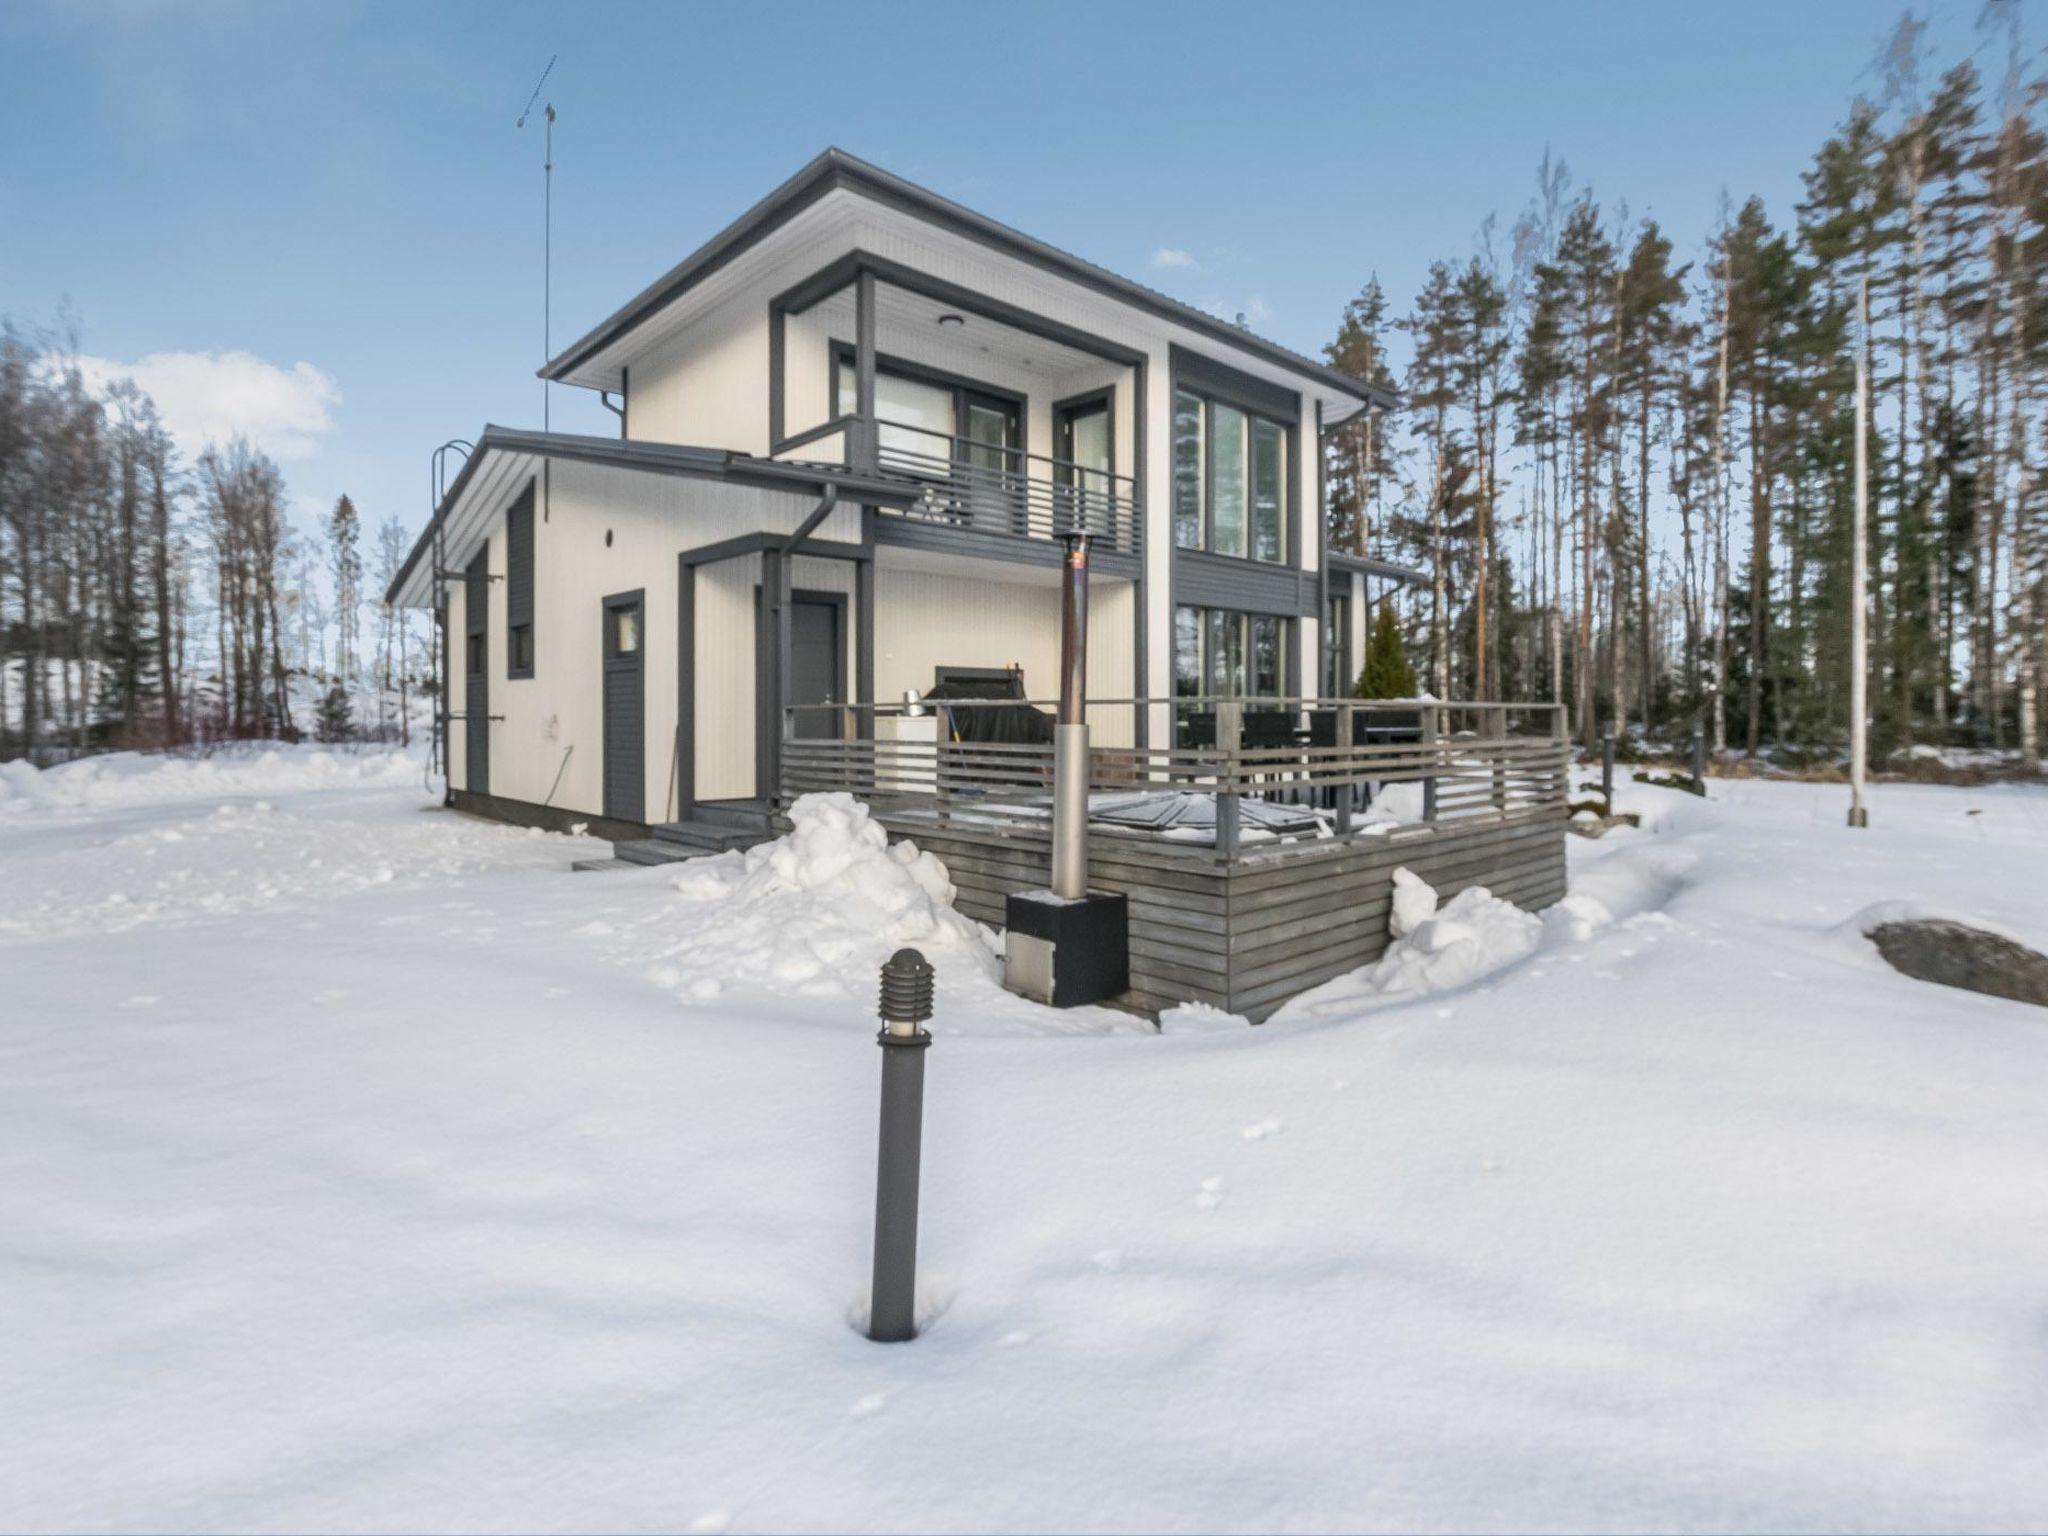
361	1168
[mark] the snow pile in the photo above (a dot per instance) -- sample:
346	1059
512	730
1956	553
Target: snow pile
1393	805
120	779
815	913
1436	947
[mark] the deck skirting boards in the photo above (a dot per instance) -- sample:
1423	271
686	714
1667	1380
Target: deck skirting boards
1248	936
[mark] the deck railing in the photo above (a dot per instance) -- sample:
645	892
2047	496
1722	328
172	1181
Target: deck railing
1336	768
984	487
993	489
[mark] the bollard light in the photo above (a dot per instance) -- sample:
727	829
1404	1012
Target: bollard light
905	1003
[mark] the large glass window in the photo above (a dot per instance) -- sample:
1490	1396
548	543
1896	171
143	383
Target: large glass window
1229	480
917	416
1226	653
1226	480
1187	470
1268	482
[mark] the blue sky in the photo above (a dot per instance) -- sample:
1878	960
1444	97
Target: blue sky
321	219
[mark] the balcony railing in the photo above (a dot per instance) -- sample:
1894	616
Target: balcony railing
1341	768
988	488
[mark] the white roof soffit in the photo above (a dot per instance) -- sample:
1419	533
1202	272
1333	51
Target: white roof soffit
831	223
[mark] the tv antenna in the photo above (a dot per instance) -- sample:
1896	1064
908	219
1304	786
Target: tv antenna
547	238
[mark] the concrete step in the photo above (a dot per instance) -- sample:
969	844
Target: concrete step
652	850
742	815
709	839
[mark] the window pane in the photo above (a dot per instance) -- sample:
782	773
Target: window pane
1089	438
1187	652
908	404
1265	656
625	631
991	433
1226	480
1086	444
1269	479
1187	471
1227	653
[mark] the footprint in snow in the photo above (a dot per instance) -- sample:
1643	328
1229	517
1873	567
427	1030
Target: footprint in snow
1210	1196
1262	1130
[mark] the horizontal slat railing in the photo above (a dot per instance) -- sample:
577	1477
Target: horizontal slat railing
991	489
1470	763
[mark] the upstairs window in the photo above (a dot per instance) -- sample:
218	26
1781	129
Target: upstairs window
1229	479
519	587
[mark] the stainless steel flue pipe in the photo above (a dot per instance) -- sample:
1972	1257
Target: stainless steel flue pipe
1070	733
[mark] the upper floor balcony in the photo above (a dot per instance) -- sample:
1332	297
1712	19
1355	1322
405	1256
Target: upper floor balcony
1017	429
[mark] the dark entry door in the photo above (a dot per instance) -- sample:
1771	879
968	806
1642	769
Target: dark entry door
815	665
625	708
476	697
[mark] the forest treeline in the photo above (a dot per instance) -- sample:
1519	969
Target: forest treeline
147	601
1629	471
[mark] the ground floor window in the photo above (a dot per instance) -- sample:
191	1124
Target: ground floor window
1227	653
1337	672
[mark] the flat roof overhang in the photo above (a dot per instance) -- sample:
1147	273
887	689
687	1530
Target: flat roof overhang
1386	570
799	478
836	170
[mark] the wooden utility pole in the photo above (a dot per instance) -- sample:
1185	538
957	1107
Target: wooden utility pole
1859	640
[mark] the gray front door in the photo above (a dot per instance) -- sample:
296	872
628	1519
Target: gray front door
815	665
476	697
625	708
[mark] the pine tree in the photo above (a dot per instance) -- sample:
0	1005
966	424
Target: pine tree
335	721
344	547
1386	673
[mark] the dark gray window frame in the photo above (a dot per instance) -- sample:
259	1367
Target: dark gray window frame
1065	410
962	385
519	597
1213	383
1290	645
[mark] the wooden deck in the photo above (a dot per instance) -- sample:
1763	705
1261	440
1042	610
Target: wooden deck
1249	934
1228	918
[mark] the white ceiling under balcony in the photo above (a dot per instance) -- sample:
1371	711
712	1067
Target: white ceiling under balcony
909	325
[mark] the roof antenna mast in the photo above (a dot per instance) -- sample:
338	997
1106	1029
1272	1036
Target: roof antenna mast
547	246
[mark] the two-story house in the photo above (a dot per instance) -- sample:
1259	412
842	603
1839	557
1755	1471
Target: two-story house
851	428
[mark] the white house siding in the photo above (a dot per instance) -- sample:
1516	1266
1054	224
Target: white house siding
703	379
925	619
727	664
708	385
1359	625
553	720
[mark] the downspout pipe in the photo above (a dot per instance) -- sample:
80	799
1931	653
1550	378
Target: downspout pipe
777	566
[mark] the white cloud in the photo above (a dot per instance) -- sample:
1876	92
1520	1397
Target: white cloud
1169	258
208	397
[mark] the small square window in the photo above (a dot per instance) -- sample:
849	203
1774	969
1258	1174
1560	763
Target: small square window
476	653
625	631
521	659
